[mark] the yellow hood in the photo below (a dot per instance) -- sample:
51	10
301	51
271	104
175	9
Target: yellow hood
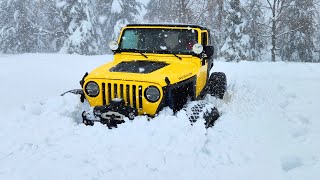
146	70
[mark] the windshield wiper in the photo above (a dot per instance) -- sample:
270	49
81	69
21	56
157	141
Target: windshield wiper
137	51
177	56
143	55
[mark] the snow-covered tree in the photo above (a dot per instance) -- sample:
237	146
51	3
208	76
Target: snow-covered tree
17	31
105	20
297	41
122	13
239	29
84	33
236	43
214	19
177	11
276	9
317	36
48	22
161	11
255	28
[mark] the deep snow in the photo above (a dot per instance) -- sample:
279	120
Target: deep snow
269	129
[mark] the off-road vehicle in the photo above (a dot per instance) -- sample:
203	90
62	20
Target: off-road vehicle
154	66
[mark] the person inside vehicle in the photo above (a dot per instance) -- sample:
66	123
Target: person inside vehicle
189	42
171	40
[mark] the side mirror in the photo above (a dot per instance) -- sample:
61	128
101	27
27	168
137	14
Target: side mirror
209	50
113	45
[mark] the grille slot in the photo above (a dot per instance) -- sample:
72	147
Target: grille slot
121	91
115	90
140	97
134	98
109	93
104	94
132	94
128	94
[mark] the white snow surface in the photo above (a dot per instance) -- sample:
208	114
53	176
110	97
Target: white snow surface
269	128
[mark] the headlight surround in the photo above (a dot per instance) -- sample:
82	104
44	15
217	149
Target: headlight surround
92	89
152	94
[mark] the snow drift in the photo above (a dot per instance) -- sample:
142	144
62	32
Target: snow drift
269	128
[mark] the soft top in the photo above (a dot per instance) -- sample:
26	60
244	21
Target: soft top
170	25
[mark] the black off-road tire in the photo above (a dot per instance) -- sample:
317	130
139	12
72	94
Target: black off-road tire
217	84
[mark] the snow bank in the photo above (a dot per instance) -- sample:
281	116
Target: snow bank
269	127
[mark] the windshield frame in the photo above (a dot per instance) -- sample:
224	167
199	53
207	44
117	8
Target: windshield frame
197	35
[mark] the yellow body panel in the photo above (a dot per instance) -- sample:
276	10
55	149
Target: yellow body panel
202	78
146	107
176	71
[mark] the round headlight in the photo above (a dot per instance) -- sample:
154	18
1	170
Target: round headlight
92	89
152	94
113	45
197	48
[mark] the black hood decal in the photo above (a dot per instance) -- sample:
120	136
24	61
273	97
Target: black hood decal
143	67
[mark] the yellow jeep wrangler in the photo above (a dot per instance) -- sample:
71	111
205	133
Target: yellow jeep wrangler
154	66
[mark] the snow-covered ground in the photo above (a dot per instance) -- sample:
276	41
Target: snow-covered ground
269	129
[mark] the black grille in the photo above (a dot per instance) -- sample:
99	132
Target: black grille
131	95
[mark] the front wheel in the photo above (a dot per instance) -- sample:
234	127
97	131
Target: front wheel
217	84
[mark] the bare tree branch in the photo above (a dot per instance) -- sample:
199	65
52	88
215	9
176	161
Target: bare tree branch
290	31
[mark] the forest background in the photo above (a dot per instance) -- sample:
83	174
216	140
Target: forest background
251	30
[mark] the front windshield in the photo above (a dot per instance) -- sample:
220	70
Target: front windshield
178	41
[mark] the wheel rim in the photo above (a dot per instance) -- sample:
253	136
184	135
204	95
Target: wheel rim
131	115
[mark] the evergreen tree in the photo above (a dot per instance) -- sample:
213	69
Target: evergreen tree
297	41
105	21
84	33
215	21
254	29
48	23
317	38
235	46
122	13
176	11
17	31
159	11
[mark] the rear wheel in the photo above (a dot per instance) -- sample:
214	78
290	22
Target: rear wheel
217	85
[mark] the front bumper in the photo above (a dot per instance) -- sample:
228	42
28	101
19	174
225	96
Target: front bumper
111	114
